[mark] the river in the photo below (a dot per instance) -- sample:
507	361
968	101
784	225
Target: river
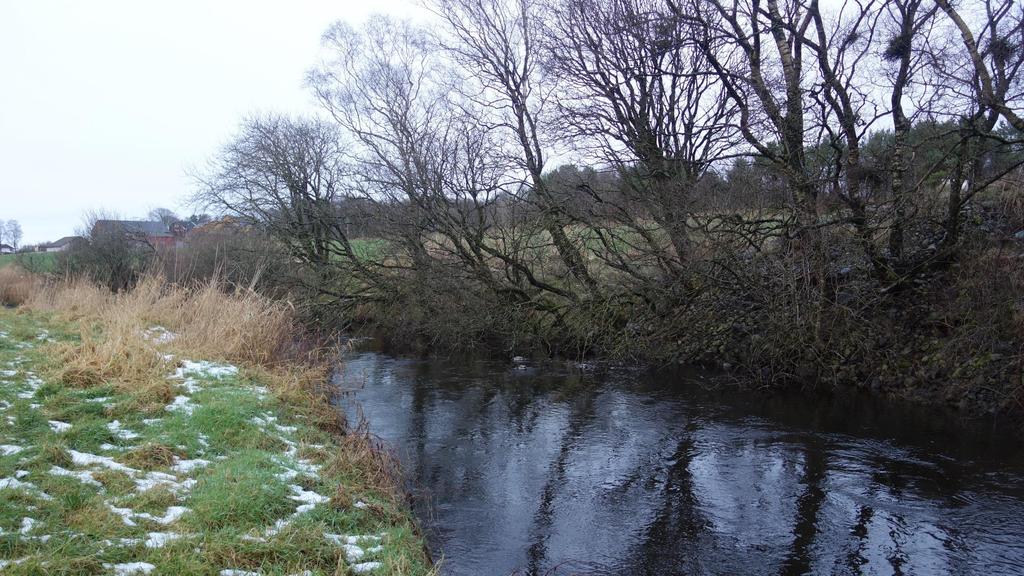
554	469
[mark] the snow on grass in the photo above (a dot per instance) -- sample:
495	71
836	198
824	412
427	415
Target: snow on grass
116	429
130	568
204	369
121	542
186	466
365	567
86	459
181	404
32	383
350	546
27	524
16	484
269	420
9	449
128	516
83	476
161	501
156	479
58	426
308	498
159	335
160	539
113	447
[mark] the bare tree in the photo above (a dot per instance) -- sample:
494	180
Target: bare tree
164	215
283	177
636	94
10	233
496	42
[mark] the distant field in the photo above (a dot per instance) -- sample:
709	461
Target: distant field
35	261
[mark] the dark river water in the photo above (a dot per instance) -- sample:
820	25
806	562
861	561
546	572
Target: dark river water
552	469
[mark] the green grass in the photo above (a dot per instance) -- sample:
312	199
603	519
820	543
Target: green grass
33	261
239	505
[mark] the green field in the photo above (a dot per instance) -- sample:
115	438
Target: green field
34	261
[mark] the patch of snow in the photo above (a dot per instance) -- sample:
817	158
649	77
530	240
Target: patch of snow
159	335
33	382
128	516
191	386
172	514
268	419
83	476
204	369
357	539
299	494
233	572
85	459
58	426
9	449
352	552
130	568
154	479
108	446
15	484
365	567
181	404
6	563
121	542
8	373
159	539
122	433
99	400
27	524
186	466
152	421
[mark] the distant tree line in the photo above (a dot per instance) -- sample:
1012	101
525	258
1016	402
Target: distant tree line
776	182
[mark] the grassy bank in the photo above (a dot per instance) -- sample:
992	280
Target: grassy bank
172	431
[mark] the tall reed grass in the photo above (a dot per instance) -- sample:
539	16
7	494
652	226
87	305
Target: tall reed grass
16	285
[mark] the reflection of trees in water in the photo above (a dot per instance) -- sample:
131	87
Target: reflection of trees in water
581	415
681	503
805	525
679	523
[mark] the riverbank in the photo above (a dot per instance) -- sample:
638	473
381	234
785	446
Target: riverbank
172	431
954	338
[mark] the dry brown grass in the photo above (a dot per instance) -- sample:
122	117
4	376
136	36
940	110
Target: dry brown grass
209	319
16	285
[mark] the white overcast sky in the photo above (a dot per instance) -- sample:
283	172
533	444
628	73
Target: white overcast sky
105	104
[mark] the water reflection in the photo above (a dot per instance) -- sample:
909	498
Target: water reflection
548	471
